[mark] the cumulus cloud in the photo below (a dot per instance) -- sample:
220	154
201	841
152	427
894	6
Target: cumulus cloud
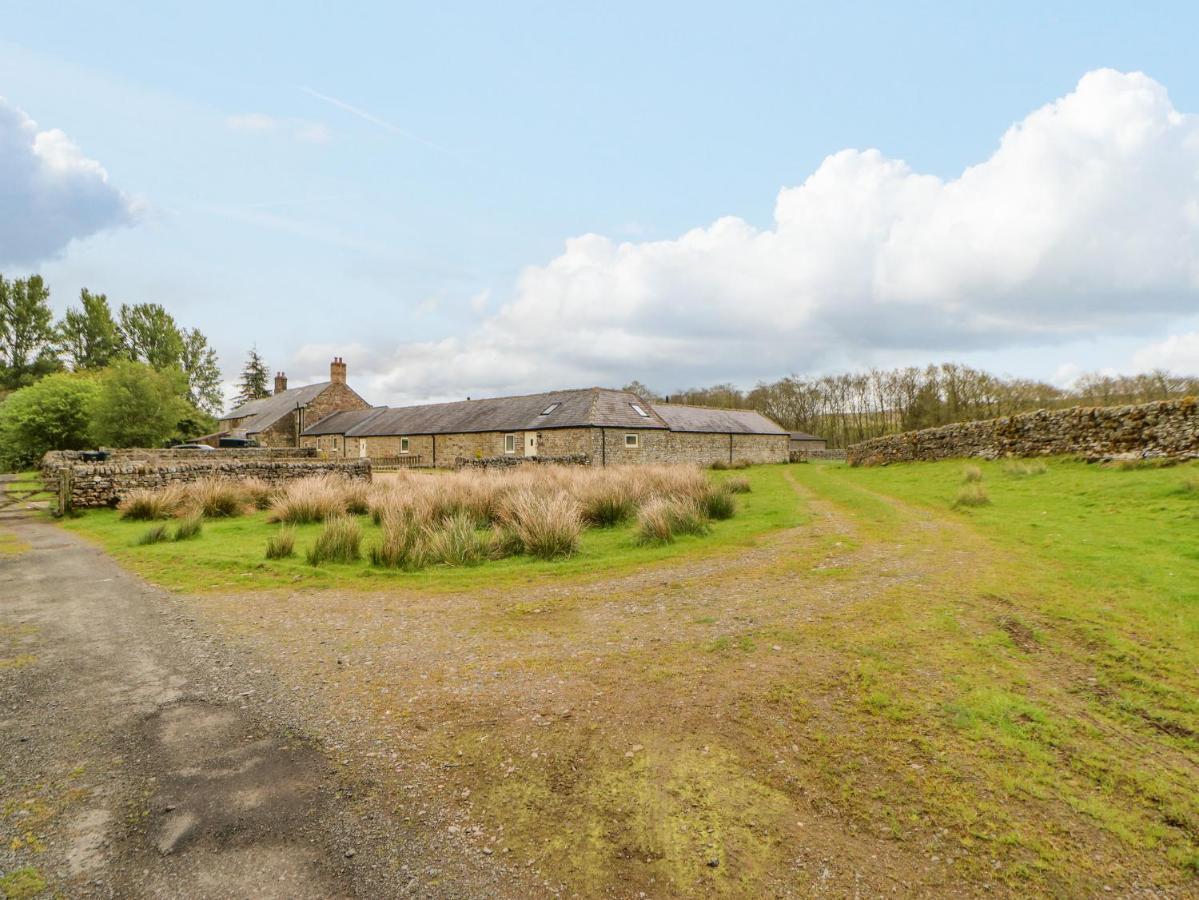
50	193
1177	353
1083	222
297	129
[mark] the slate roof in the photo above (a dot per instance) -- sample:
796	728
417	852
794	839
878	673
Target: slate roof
574	408
266	412
715	421
342	421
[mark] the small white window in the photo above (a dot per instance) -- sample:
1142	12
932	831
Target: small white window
403	445
509	443
640	410
549	409
632	440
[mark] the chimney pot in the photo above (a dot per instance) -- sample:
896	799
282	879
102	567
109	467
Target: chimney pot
337	370
280	382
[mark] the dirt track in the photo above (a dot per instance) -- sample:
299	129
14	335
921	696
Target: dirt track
141	757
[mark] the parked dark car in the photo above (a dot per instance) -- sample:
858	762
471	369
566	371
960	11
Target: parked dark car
237	442
94	455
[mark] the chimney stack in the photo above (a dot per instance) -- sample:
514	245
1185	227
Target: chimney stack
280	382
337	370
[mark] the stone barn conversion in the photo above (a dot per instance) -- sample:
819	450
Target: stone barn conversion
802	441
598	426
280	419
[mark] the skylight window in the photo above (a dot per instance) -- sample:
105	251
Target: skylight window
549	409
637	408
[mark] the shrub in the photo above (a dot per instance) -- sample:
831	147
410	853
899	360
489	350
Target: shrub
547	525
738	485
142	504
972	474
282	544
188	527
720	505
155	535
1024	468
216	498
973	494
339	541
313	499
457	543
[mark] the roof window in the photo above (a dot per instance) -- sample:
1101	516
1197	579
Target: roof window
640	410
549	409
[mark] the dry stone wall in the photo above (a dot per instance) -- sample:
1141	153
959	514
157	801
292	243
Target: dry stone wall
92	485
1167	428
510	462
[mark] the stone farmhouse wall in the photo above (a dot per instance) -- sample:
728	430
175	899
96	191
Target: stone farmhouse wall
1167	428
511	462
91	485
658	446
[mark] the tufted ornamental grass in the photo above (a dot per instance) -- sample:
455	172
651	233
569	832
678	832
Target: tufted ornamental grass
282	544
188	527
547	526
155	535
661	520
339	541
146	505
315	499
403	544
720	505
258	493
216	498
971	494
738	484
457	542
972	474
1020	468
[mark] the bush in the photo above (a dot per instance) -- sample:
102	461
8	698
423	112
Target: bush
1022	468
720	505
282	544
973	494
188	527
50	414
738	485
972	474
138	406
339	541
143	504
547	525
216	498
155	535
457	543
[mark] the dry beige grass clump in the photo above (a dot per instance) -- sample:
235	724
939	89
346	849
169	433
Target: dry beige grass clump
144	504
317	498
548	526
216	498
972	474
339	541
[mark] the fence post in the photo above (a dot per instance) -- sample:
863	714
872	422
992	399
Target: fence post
64	491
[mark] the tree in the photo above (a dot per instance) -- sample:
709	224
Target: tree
138	405
26	331
636	387
199	364
149	335
254	384
89	336
51	414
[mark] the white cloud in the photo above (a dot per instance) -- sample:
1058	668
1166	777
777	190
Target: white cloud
50	193
1177	353
297	129
478	302
1083	223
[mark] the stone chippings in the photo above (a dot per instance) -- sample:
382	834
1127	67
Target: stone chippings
104	484
1167	428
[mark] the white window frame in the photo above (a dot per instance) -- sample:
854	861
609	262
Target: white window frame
633	444
403	445
510	444
640	410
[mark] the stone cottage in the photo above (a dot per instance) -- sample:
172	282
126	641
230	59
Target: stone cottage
607	426
280	419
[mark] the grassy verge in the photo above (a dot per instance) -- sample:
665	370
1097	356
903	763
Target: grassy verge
230	554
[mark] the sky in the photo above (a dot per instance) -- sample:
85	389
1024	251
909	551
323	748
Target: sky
480	199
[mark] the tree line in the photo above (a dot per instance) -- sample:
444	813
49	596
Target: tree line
133	378
855	406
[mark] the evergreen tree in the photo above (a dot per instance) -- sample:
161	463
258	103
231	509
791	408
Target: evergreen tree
254	384
26	331
89	336
199	364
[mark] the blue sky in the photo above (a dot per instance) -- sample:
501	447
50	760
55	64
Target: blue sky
378	182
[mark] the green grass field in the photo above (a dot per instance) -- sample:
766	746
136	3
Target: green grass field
230	553
1002	696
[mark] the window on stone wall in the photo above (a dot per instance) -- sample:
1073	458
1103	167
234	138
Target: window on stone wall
403	445
335	443
632	440
509	443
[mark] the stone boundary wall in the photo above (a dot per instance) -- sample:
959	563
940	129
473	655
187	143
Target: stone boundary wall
511	462
805	455
56	459
1165	428
92	485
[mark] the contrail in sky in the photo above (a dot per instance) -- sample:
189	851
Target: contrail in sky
375	120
